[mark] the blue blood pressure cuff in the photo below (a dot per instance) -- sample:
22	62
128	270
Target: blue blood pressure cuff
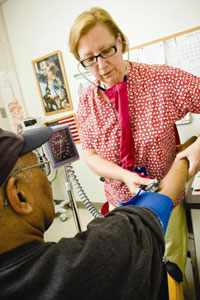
160	204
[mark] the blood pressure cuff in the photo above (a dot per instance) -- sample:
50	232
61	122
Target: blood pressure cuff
160	204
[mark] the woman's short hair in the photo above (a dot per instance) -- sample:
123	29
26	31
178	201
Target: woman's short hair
86	21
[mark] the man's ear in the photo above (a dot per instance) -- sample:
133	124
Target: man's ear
16	198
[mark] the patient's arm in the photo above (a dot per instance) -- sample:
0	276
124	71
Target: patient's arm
174	182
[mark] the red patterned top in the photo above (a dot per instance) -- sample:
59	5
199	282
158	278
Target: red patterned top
159	95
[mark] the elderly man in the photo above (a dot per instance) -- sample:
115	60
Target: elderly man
118	257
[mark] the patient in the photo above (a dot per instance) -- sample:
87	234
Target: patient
118	257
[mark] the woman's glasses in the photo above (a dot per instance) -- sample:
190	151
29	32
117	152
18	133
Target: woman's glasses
88	62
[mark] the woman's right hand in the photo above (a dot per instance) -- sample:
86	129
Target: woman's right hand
134	182
108	169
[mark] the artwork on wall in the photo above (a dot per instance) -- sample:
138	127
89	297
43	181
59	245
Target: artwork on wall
82	82
52	83
14	111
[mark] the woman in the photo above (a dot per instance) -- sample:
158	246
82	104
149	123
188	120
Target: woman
127	116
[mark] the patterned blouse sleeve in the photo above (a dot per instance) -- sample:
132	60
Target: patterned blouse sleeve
85	128
185	90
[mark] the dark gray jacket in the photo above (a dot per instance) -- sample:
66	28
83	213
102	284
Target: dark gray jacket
119	257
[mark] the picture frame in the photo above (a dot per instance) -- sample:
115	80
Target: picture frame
52	83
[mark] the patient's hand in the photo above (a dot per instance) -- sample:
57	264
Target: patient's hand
192	153
174	182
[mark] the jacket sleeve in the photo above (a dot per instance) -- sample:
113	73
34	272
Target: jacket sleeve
120	256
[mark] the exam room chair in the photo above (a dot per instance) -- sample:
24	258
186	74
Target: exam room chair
175	289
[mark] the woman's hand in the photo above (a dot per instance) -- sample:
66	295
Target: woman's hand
108	169
192	153
135	181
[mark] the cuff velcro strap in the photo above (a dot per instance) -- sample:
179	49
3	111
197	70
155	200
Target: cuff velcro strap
160	204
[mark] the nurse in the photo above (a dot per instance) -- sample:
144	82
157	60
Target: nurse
127	114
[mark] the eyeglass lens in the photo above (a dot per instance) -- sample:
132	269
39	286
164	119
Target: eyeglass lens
41	158
104	54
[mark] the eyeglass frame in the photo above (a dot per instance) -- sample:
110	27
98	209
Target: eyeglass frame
30	167
21	170
99	55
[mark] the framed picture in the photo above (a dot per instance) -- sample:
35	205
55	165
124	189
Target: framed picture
52	83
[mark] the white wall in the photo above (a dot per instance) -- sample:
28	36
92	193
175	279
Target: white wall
6	64
36	28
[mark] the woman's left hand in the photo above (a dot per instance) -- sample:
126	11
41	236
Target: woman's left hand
192	153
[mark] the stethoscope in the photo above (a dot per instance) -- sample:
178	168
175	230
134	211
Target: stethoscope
103	89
